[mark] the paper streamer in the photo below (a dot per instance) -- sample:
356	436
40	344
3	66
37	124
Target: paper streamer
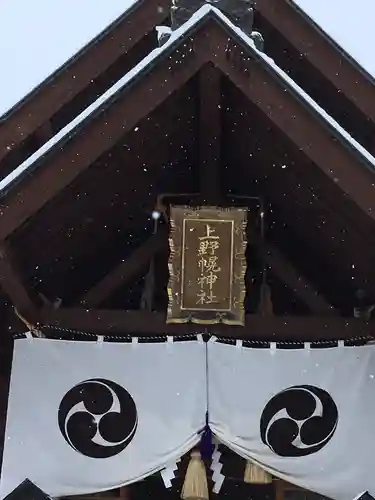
216	467
168	474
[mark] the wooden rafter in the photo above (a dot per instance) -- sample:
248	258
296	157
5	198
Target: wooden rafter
123	36
299	121
209	133
85	67
130	108
255	80
319	50
44	132
127	270
133	265
287	273
266	328
12	284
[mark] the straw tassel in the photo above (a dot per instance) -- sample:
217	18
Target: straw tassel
256	475
195	485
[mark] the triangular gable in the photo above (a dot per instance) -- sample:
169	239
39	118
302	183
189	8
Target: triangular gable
40	105
207	37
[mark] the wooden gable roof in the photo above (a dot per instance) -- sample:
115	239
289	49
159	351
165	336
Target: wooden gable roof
56	101
144	88
291	39
78	183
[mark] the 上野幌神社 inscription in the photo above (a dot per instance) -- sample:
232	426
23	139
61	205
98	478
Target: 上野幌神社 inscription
207	265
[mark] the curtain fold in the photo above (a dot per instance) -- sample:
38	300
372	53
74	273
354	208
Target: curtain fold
304	415
85	417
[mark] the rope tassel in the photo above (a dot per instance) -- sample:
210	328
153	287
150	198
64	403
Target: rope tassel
195	485
254	474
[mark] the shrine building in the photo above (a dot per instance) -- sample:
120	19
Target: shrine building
201	170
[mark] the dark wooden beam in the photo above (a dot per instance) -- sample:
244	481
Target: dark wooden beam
142	323
318	49
101	133
12	284
287	273
145	148
81	70
44	132
334	156
126	271
210	133
297	216
255	79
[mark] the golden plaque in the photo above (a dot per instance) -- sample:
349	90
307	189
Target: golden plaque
207	265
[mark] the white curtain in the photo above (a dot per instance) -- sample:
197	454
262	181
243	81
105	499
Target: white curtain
306	416
87	416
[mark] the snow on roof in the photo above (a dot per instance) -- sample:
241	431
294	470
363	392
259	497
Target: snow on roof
37	37
64	132
153	56
349	24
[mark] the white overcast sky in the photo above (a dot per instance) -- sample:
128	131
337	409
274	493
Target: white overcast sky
38	36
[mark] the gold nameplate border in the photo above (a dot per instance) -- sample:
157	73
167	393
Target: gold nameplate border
207	265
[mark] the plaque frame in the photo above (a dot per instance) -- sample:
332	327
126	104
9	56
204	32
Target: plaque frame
189	227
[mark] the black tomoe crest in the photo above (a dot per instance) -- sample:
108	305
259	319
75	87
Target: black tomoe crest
98	418
298	421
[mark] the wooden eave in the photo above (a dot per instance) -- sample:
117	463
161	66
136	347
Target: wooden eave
322	52
210	40
61	87
42	103
36	109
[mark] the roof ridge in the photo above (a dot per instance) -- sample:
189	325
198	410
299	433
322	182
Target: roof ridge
65	133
